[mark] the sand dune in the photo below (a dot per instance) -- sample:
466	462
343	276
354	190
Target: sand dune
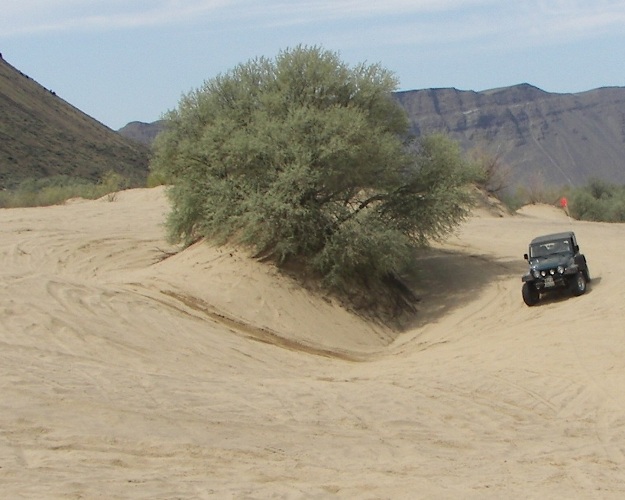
128	372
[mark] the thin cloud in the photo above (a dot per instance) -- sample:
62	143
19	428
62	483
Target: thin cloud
35	16
39	16
347	9
497	25
395	22
562	21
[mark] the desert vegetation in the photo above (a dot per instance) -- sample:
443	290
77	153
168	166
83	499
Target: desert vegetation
306	160
58	189
598	201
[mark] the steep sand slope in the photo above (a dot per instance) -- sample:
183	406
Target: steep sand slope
126	374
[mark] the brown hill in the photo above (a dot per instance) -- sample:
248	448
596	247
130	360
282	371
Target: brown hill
557	139
41	135
144	133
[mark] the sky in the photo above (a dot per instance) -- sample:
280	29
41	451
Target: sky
132	60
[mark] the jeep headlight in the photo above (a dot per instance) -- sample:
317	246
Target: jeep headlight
536	273
560	269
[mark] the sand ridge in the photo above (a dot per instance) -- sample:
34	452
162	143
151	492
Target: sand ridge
127	372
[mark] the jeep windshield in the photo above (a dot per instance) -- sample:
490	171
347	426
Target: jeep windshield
545	248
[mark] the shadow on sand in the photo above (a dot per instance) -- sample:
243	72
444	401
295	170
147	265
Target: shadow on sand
562	295
447	279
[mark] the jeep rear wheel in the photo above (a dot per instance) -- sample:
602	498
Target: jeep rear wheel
531	296
578	285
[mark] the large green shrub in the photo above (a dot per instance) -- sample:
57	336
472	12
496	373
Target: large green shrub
305	158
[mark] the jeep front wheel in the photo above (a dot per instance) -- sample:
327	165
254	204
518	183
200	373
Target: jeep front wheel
578	285
531	296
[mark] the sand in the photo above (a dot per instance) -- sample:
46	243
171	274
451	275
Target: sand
127	371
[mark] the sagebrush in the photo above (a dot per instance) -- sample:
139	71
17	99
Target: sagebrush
304	158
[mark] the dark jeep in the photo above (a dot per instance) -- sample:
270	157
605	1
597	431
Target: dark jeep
555	263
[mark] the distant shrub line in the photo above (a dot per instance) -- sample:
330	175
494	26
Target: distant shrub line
598	201
57	189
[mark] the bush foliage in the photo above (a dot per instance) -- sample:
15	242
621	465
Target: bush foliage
305	158
598	201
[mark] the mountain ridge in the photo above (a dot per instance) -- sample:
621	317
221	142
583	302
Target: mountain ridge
544	138
557	139
142	132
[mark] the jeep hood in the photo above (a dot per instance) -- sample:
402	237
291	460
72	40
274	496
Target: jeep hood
550	261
